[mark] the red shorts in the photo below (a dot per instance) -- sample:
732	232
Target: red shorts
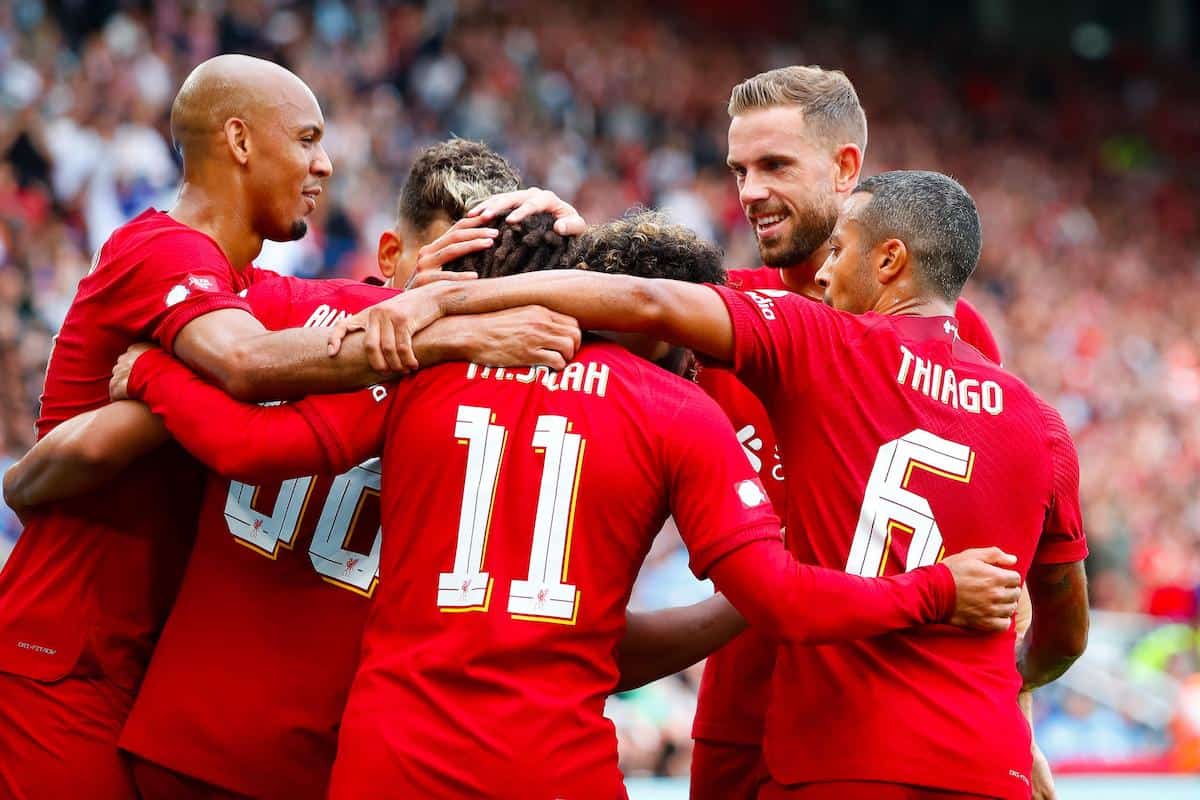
726	771
861	790
156	782
59	739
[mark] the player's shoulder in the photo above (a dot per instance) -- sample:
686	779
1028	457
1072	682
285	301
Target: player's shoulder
318	302
154	230
755	278
975	331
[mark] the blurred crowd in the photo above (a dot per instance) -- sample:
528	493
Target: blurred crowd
1087	176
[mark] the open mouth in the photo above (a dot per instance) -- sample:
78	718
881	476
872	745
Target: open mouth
768	225
310	197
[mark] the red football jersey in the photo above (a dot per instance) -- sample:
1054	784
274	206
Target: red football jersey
734	689
489	650
249	680
414	650
973	329
91	580
735	686
900	444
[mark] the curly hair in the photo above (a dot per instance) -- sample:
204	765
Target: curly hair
450	177
646	245
531	246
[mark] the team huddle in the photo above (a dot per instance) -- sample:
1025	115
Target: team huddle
409	579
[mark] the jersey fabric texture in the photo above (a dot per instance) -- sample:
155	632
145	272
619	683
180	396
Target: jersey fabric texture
902	443
734	689
90	581
249	680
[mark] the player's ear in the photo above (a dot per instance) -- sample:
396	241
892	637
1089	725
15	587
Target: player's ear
237	139
389	255
848	161
891	258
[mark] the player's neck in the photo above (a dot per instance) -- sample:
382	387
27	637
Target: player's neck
913	305
801	278
203	209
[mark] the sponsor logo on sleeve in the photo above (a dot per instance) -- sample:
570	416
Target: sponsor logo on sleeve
177	295
202	283
766	305
750	492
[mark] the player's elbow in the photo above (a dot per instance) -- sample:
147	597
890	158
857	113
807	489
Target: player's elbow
237	372
1074	641
14	488
650	304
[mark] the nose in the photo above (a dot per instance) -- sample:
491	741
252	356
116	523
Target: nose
824	274
321	166
753	190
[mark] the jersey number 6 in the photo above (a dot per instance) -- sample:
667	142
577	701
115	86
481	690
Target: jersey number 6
888	505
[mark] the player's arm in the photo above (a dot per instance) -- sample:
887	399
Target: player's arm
1057	583
248	442
732	535
232	349
82	454
660	643
1058	633
686	314
802	603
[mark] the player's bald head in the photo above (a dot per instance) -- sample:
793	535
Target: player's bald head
236	86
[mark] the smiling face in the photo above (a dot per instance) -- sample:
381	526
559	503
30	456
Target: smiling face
289	163
786	183
847	276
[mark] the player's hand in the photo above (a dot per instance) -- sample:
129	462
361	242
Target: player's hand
389	328
525	202
468	235
420	279
525	336
985	594
1041	777
118	387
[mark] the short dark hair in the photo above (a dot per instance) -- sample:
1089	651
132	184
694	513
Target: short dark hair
936	219
646	245
642	243
450	177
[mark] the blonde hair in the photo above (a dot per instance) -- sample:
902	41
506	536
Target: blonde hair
825	96
449	178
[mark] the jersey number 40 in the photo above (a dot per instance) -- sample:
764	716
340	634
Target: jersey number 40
341	516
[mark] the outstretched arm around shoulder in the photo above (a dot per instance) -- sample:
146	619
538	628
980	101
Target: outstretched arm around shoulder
686	314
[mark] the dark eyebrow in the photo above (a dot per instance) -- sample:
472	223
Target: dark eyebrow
315	129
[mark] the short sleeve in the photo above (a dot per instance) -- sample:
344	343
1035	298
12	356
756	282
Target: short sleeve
718	502
778	337
350	426
183	275
1062	540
